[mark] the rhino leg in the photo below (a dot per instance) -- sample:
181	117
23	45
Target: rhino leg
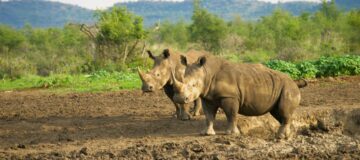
231	108
185	112
289	100
197	107
178	111
210	113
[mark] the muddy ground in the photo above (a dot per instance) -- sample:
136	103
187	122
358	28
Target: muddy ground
38	124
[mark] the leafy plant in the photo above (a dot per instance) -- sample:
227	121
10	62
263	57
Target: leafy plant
339	65
286	67
307	69
55	81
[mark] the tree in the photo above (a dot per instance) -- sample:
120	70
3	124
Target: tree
119	29
329	19
330	10
174	33
10	38
206	28
353	20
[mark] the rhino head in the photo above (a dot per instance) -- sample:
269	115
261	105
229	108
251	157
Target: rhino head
192	84
159	75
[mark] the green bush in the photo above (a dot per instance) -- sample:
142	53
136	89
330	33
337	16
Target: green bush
14	68
54	81
307	69
337	66
142	62
257	56
324	67
285	67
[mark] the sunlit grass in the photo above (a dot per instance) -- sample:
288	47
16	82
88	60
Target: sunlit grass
98	81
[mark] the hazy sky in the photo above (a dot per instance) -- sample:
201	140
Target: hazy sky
102	4
99	4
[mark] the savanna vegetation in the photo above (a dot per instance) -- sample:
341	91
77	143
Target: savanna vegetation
104	56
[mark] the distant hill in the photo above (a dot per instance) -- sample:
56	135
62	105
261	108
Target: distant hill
247	9
41	13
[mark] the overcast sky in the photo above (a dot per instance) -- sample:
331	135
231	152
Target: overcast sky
102	4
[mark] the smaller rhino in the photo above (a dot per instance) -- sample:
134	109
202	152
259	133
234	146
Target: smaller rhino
247	89
159	77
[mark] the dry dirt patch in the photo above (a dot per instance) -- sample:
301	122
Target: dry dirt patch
132	125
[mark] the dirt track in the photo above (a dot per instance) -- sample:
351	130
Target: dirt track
130	125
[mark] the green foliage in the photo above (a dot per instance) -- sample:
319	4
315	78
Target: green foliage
97	81
307	69
119	33
54	81
40	13
119	26
43	51
15	68
330	10
110	81
206	28
257	56
353	19
337	66
175	34
323	67
9	39
286	67
328	33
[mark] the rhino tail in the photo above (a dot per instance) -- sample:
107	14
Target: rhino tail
301	83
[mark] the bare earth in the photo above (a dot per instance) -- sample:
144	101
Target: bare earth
37	124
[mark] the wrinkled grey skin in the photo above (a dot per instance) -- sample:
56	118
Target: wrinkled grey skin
160	78
247	89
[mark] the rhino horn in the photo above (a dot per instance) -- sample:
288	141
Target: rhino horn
141	74
177	84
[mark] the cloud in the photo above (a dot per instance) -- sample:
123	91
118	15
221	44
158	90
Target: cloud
100	4
103	4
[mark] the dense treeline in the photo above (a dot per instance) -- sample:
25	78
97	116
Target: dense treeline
42	13
280	35
118	41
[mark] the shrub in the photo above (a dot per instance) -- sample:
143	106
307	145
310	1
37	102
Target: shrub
54	81
286	67
307	69
14	68
339	65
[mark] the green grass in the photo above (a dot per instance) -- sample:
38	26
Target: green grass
98	81
113	81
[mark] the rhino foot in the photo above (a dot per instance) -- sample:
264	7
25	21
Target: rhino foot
185	117
284	132
174	115
196	114
208	132
232	131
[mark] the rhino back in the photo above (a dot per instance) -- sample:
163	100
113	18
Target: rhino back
256	87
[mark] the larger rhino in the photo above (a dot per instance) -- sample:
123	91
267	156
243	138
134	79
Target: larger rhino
247	89
160	78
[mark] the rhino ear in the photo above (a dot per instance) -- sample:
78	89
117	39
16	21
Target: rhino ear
166	53
183	60
150	54
202	61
